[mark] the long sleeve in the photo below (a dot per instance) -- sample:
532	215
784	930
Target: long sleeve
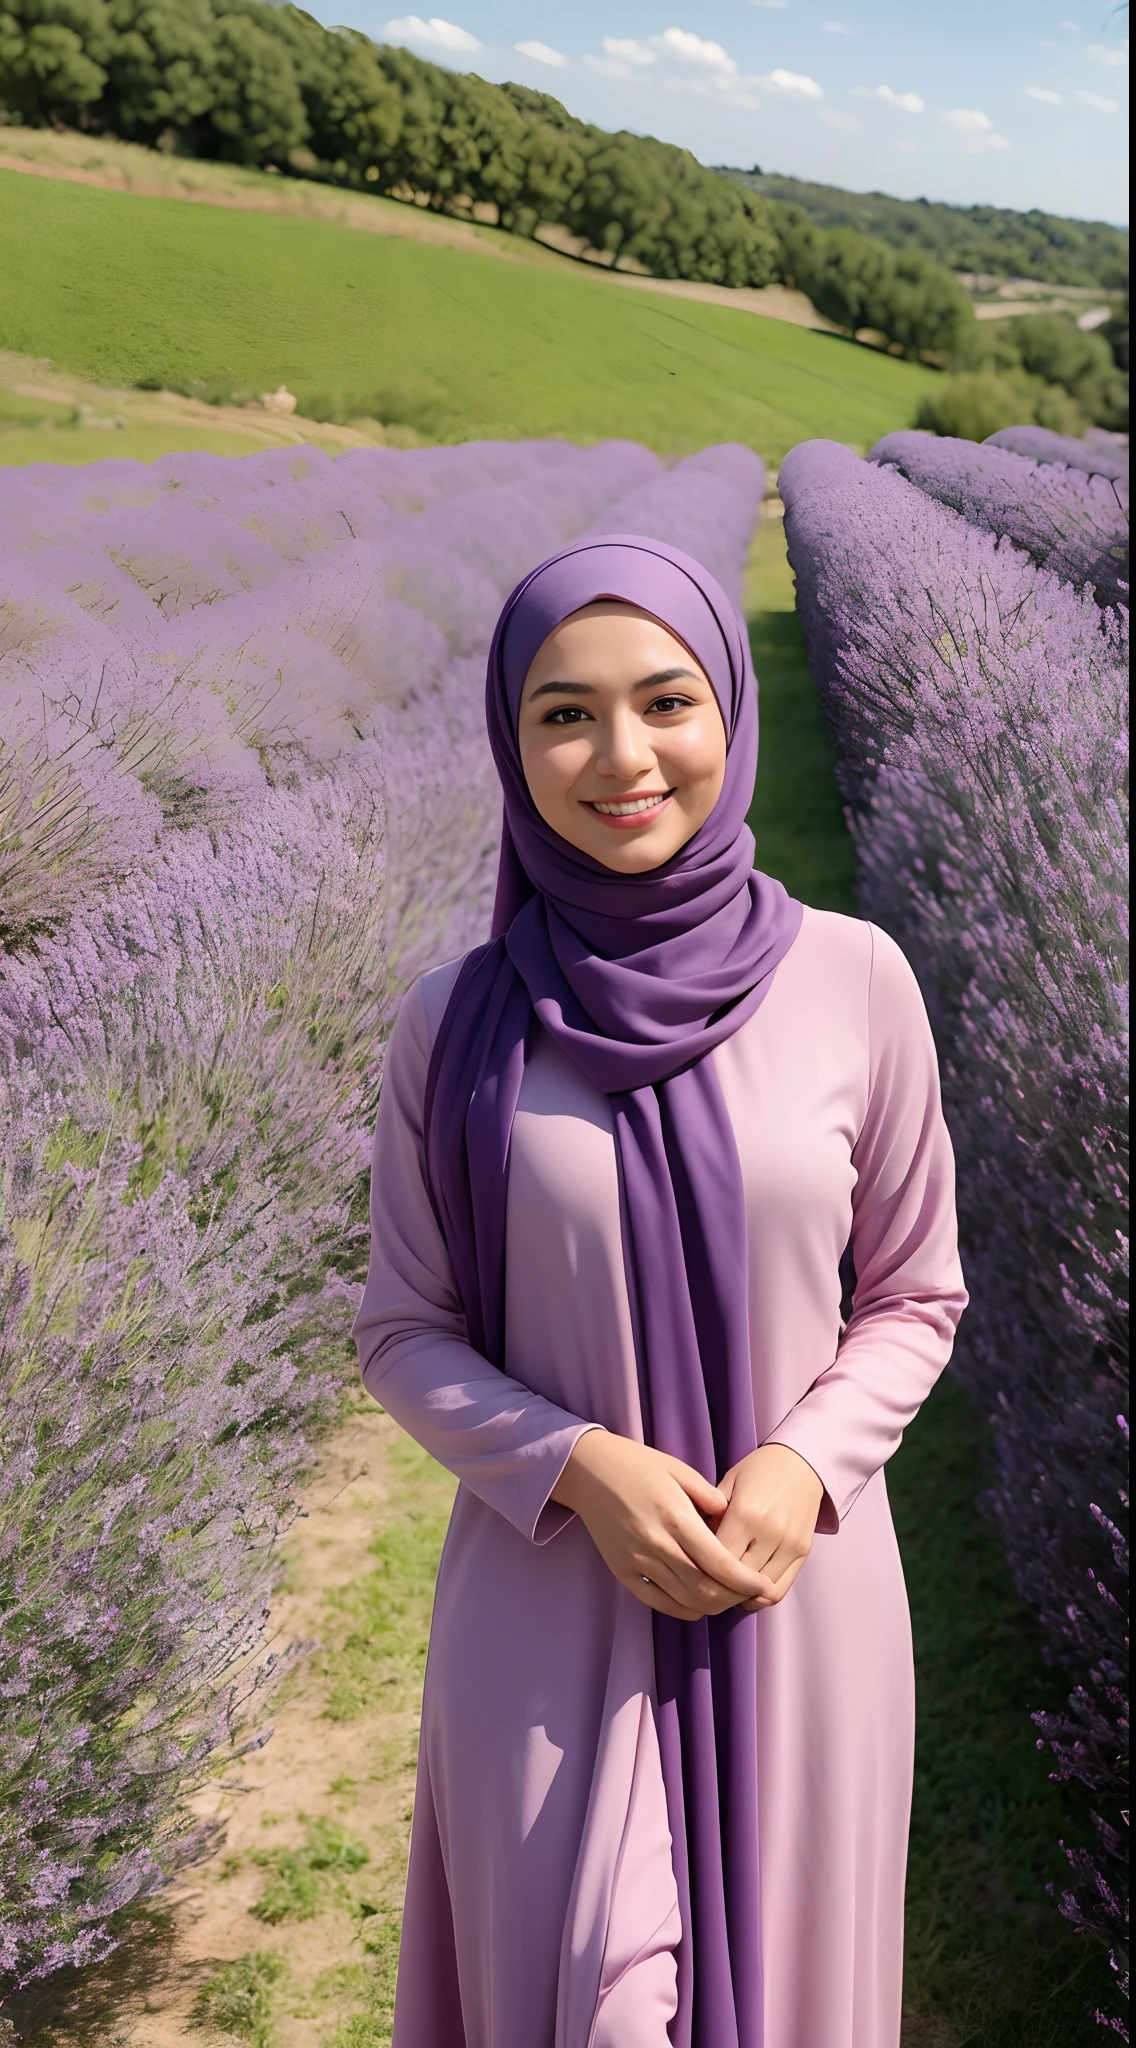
506	1443
909	1291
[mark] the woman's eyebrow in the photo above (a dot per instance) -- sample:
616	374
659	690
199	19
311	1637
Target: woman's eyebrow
665	675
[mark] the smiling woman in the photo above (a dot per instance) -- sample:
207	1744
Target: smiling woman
621	738
667	1723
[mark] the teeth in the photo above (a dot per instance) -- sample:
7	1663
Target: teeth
627	810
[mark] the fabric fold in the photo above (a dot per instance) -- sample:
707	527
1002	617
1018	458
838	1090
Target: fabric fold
637	978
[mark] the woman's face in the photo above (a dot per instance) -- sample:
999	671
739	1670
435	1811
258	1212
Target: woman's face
621	739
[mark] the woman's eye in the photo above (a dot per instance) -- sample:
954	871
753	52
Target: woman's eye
567	714
670	703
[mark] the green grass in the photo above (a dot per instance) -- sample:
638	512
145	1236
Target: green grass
985	1944
130	290
239	1998
989	1961
370	1985
305	1879
383	1654
797	818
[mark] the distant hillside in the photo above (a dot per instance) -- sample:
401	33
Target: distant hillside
157	294
991	239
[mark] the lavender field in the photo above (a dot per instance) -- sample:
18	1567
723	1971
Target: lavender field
244	798
965	613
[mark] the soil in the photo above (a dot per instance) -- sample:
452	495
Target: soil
99	405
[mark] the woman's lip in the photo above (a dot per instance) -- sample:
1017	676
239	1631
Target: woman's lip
630	820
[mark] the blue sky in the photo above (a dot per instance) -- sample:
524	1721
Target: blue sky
1007	102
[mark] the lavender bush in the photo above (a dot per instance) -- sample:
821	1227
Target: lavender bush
1065	520
979	708
1099	454
244	797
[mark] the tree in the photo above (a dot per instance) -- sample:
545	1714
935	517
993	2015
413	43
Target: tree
257	111
975	238
847	279
52	58
921	307
161	70
977	403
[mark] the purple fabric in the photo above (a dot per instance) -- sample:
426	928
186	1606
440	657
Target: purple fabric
637	977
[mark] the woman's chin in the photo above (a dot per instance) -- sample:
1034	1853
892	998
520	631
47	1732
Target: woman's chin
636	854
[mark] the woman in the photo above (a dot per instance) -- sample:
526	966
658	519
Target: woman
666	1749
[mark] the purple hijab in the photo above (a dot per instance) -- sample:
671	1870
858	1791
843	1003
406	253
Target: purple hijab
637	978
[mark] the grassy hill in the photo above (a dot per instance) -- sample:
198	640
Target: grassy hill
134	291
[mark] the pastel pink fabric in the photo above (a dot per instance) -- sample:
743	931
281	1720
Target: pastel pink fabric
541	1907
636	978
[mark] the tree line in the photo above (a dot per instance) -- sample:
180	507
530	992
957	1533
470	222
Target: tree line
265	85
1039	368
991	240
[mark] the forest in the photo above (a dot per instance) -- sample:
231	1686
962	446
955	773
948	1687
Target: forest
990	240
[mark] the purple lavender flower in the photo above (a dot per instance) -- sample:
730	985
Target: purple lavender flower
245	796
1065	520
980	712
1099	454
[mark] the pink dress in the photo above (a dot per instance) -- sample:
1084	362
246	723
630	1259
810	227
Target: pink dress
541	1909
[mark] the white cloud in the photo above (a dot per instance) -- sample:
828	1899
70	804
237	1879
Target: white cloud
1104	53
975	130
541	53
770	3
837	28
1071	28
791	84
835	120
907	102
1097	100
705	67
680	42
694	64
626	50
443	35
1042	93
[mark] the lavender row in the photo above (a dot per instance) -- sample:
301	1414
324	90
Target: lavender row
1099	454
979	709
244	796
1065	520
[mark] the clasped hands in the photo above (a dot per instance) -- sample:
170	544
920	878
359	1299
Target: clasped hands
685	1547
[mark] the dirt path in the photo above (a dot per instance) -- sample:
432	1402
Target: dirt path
72	418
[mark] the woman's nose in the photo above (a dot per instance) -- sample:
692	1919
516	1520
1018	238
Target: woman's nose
625	748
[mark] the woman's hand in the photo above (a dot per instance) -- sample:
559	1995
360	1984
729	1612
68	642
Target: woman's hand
647	1515
774	1500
